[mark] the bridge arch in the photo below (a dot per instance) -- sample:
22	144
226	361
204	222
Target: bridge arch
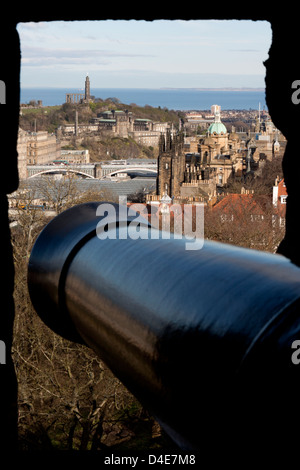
61	171
129	170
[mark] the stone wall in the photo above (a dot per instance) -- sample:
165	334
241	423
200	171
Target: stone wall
282	69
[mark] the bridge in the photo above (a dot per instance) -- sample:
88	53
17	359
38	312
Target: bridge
98	170
129	169
117	167
86	170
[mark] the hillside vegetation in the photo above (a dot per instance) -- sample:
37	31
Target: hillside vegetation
100	148
50	117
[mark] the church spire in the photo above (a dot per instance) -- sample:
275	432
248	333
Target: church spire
161	143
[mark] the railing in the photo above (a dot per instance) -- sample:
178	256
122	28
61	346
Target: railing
202	337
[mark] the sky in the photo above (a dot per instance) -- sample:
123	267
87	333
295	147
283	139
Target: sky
144	54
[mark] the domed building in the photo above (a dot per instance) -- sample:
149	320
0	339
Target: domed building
217	128
217	136
206	169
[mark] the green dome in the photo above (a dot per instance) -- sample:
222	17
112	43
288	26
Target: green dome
217	128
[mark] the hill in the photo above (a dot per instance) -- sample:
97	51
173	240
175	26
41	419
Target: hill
50	117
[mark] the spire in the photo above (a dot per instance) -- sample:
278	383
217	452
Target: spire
161	144
216	110
217	127
168	144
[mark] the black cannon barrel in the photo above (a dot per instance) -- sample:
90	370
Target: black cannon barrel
203	337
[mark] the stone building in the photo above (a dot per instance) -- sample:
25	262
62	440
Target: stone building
203	171
123	124
75	156
195	121
120	123
171	165
42	147
36	148
270	143
22	153
76	98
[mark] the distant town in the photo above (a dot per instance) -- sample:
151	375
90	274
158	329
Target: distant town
222	142
145	153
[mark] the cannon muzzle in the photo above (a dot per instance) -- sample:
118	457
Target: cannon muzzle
203	338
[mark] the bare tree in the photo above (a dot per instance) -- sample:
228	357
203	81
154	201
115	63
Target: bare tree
68	398
244	220
60	193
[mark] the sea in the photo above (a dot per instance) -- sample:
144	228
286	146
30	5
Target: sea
183	99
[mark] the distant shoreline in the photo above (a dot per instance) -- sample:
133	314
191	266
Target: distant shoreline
157	89
170	98
216	89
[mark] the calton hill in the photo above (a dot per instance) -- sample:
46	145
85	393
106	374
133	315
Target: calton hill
49	118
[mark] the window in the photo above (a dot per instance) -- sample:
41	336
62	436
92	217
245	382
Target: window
283	199
226	217
256	217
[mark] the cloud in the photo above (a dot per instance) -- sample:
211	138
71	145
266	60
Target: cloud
31	25
39	56
140	53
